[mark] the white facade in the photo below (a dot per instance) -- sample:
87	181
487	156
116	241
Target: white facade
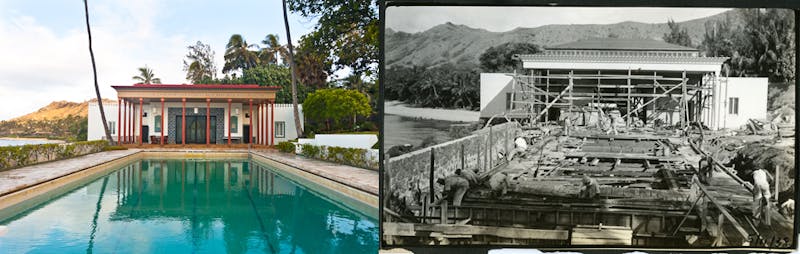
283	121
740	99
284	115
95	122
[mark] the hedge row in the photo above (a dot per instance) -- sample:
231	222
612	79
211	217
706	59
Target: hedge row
349	156
20	156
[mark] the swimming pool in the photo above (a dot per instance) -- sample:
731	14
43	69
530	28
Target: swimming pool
194	206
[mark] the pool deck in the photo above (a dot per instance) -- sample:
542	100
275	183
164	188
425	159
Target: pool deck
20	178
17	179
363	179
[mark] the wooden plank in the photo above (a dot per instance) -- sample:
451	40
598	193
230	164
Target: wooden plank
398	229
505	232
628	156
602	234
580	241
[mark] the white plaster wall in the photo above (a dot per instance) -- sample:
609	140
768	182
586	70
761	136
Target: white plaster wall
752	94
363	141
95	123
285	113
491	86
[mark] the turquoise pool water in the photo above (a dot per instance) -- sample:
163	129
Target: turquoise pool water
194	206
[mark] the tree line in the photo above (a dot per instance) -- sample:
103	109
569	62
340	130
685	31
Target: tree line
448	85
345	37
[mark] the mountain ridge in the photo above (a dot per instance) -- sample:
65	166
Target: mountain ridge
461	45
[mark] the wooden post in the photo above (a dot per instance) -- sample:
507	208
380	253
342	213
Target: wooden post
628	102
490	153
505	148
777	181
569	114
547	96
430	177
463	163
684	104
478	165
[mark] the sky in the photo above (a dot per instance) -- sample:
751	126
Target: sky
414	19
44	54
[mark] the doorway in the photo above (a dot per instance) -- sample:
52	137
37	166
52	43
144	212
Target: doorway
246	131
195	130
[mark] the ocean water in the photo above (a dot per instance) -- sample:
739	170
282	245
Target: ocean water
400	130
16	142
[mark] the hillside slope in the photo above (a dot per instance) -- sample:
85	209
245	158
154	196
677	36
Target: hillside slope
463	45
58	120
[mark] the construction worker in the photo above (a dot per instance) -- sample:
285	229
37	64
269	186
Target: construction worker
761	195
590	188
520	146
455	186
706	169
499	184
470	175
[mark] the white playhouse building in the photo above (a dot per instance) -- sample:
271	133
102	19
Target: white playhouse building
195	114
644	81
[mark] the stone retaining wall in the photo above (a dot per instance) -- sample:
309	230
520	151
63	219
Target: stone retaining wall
412	170
20	156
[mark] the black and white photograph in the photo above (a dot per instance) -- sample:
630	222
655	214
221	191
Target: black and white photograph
589	127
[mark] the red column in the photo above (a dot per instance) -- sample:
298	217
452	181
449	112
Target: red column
250	136
259	137
119	118
125	121
229	121
183	122
208	121
266	120
162	121
131	122
264	123
272	123
141	109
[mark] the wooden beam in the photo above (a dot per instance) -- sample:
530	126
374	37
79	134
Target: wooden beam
505	232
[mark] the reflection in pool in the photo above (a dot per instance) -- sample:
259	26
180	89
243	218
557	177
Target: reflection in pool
197	206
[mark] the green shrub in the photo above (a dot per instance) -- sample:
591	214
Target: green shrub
114	148
347	156
286	147
310	151
19	156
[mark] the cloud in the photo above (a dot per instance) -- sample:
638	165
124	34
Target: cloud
40	64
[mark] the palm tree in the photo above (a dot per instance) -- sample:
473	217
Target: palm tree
297	125
146	76
272	50
94	71
238	55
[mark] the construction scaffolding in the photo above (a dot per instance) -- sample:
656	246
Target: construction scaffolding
678	98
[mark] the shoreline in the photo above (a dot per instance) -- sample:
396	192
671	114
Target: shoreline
453	115
43	140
